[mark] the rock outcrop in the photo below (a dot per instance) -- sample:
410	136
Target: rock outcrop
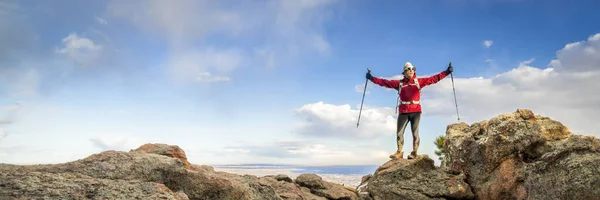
308	186
524	156
415	179
317	186
172	151
518	155
126	169
153	171
42	185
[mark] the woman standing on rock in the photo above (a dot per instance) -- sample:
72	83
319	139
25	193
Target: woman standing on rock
409	91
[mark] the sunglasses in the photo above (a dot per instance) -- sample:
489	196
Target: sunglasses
410	68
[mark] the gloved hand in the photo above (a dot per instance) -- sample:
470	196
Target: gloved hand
369	76
450	69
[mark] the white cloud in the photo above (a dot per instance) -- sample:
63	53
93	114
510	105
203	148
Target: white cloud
579	56
327	120
195	65
303	151
118	142
568	93
488	43
82	50
527	62
296	148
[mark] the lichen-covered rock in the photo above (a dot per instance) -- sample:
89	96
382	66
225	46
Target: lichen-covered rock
415	179
283	177
570	169
155	169
203	168
310	181
43	185
172	151
329	190
521	155
288	189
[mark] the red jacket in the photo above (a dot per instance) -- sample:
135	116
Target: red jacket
410	94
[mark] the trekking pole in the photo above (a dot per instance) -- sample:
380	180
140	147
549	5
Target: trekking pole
454	90
363	98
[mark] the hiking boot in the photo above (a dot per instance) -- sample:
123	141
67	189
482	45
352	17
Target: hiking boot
397	155
412	155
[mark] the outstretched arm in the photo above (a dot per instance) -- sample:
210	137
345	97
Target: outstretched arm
435	78
393	84
432	79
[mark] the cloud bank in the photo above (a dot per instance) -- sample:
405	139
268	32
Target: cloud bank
339	121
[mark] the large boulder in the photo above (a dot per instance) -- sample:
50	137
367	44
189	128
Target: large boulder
521	155
414	179
308	186
318	186
34	185
139	169
172	151
287	189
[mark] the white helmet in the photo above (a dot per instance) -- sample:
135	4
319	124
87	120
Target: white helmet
408	65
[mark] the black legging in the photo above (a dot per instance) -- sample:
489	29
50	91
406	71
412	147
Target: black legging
403	120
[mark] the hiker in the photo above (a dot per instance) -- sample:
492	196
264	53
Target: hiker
409	91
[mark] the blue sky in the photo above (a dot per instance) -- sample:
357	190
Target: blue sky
280	81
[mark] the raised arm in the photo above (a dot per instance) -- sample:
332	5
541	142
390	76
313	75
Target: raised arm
393	84
435	78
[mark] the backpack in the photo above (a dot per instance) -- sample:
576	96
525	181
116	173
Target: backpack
400	86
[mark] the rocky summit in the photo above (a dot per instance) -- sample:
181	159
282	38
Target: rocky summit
517	155
524	156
